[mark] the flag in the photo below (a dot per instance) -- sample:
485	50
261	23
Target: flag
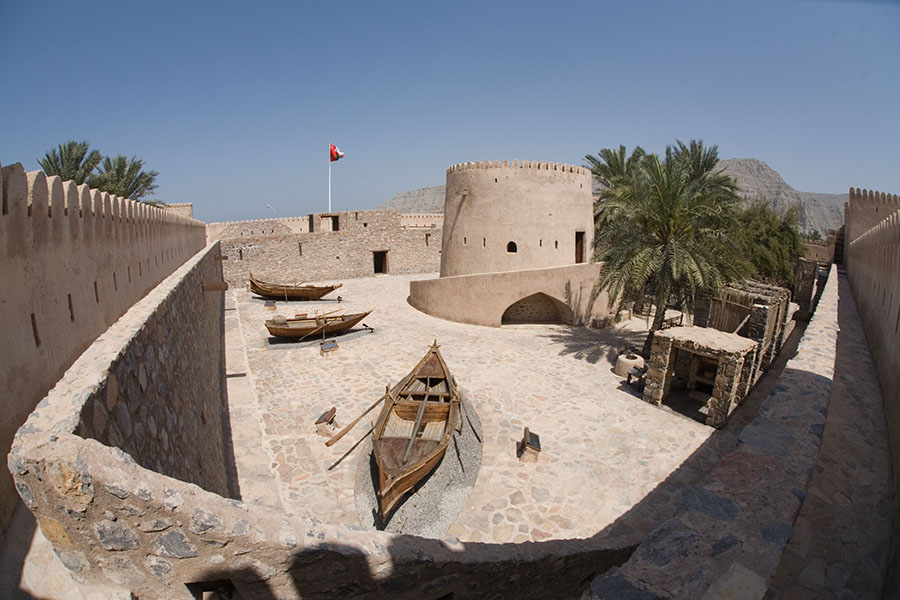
336	153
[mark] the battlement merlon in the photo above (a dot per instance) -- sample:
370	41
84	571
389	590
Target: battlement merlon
517	164
873	197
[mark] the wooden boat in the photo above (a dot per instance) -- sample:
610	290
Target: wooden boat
281	291
414	428
322	325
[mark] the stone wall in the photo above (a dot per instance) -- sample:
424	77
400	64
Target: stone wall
873	268
256	228
728	537
482	299
163	397
333	255
72	261
111	518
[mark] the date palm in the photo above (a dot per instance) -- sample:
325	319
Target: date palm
124	177
665	227
71	161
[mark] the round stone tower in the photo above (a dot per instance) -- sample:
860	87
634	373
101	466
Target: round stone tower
509	217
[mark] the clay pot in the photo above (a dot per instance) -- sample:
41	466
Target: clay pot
626	362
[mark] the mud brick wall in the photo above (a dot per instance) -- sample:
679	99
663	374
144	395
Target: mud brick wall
873	268
333	255
72	261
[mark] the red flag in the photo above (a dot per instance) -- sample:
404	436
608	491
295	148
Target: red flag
335	153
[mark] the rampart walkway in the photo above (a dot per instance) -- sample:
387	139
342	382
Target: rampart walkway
840	543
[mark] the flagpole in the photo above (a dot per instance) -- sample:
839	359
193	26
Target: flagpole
329	176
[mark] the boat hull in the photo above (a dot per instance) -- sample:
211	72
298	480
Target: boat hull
303	328
290	292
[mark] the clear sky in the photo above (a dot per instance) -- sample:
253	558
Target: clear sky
234	103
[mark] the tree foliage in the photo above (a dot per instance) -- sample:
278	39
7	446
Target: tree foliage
117	175
124	177
664	224
770	241
71	161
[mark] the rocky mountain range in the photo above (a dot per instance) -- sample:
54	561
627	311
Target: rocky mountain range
755	179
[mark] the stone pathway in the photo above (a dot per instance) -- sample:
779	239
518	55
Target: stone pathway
840	542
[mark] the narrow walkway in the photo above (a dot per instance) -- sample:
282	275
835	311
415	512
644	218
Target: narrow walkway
840	542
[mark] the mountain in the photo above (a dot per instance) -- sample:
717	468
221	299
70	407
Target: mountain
755	179
422	200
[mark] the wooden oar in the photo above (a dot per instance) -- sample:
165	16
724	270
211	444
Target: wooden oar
344	431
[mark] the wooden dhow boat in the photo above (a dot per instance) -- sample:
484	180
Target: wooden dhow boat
282	291
415	425
303	326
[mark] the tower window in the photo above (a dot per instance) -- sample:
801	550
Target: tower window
511	248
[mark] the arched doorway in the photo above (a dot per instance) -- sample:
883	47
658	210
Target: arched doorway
538	308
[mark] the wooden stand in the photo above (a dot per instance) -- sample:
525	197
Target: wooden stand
326	424
528	449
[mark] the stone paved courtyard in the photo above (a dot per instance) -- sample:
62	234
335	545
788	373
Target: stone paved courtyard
603	449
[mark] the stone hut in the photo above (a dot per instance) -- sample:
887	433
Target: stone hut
705	360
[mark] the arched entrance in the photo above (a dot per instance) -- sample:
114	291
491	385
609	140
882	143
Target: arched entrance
538	308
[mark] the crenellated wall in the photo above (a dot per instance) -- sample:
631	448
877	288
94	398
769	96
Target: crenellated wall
864	210
873	267
72	261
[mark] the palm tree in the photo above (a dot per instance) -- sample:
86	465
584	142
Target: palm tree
124	177
665	227
72	161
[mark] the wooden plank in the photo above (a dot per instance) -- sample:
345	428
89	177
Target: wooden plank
214	286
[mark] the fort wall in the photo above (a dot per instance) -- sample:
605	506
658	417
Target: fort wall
873	268
73	261
864	210
512	216
483	298
111	518
328	254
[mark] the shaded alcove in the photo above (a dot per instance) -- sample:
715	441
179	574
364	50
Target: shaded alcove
538	308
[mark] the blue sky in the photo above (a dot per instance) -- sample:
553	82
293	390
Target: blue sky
234	103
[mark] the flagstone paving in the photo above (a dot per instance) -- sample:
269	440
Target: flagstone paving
603	450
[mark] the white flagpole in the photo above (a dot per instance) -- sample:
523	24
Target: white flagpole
329	176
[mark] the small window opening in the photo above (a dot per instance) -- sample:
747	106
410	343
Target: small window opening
34	330
556	245
427	238
579	247
335	223
511	248
129	273
464	241
240	254
495	180
96	293
140	269
300	248
540	243
484	242
357	215
71	310
365	224
115	282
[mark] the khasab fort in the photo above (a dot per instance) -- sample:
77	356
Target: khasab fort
162	443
